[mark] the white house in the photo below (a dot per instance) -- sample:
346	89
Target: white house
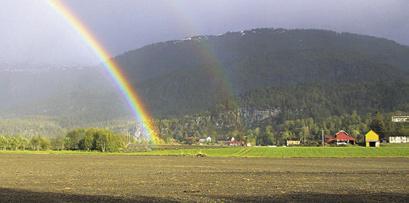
208	139
205	140
399	139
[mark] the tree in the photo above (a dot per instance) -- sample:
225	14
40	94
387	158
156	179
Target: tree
22	142
286	135
44	143
88	142
355	118
73	138
378	125
404	131
250	137
268	135
40	143
305	134
3	142
35	143
106	141
13	143
57	143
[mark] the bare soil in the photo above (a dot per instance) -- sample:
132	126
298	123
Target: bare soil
94	178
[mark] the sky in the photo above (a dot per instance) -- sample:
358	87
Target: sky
32	33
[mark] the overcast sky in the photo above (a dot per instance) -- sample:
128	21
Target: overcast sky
32	33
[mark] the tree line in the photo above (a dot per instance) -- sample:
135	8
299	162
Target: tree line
220	127
23	143
92	139
276	130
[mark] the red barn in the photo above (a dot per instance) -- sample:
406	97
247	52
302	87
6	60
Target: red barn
340	138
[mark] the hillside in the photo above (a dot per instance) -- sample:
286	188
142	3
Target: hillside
300	73
72	95
196	74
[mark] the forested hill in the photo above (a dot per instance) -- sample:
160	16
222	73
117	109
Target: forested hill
262	69
78	95
299	73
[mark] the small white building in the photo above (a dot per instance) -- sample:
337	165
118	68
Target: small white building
399	139
208	139
293	142
205	140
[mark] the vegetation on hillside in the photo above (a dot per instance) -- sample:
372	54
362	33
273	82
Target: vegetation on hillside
275	130
220	127
322	73
254	68
262	86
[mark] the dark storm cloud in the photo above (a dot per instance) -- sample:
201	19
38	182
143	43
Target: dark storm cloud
128	24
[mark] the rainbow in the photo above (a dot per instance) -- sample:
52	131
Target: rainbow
112	67
204	51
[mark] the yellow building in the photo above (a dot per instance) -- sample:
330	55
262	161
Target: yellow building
372	139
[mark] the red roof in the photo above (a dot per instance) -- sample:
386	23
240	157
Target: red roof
339	136
343	136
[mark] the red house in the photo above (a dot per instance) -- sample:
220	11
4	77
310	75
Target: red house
235	143
340	138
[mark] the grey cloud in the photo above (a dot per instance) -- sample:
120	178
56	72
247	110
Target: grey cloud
32	32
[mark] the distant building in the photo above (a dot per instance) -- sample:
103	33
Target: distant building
340	138
235	143
205	140
398	139
372	139
293	142
208	139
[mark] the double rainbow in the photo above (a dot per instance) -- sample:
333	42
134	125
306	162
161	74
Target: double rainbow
111	66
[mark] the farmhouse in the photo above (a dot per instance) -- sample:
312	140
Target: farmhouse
372	139
340	138
235	143
398	139
205	140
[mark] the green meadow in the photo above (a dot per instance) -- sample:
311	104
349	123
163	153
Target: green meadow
288	152
267	152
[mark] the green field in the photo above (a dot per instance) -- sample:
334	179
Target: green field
268	152
288	152
395	145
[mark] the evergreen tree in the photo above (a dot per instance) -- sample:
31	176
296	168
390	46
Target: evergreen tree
378	125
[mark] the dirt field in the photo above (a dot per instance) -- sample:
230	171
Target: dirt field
94	178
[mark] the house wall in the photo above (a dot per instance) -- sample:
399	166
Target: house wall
377	143
371	137
293	142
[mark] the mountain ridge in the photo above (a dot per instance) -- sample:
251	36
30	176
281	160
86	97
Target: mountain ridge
256	59
201	73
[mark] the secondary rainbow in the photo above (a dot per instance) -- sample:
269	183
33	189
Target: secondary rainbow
111	66
203	48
